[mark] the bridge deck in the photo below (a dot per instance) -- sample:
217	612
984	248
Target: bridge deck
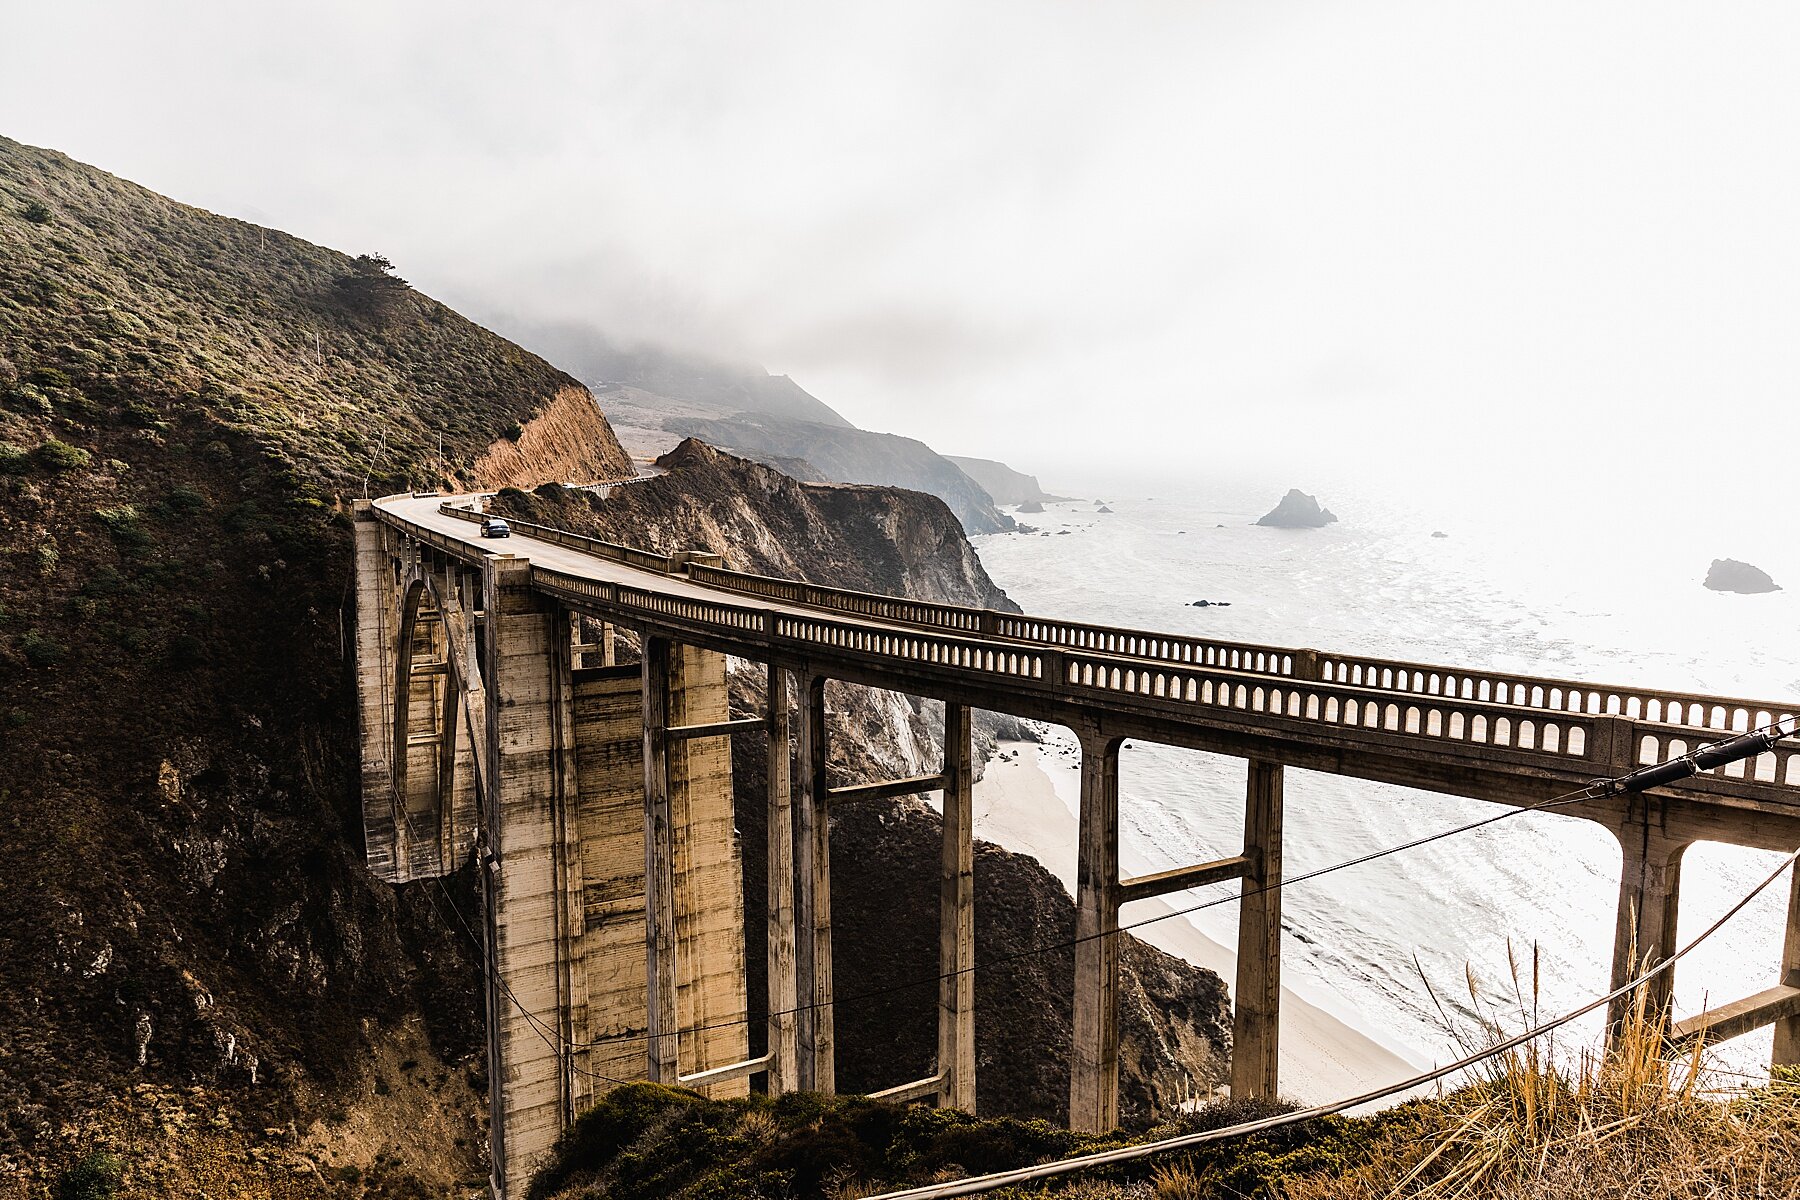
1493	735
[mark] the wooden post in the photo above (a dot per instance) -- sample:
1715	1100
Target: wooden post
1256	1020
1649	901
659	868
812	895
784	982
1787	1030
956	916
1094	1064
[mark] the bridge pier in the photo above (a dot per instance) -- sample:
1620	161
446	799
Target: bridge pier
956	916
1787	1030
1649	903
1256	1017
784	978
663	1042
812	894
526	933
1094	1063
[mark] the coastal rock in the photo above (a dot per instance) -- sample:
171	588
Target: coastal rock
1032	506
1730	575
1438	533
1298	510
1103	509
1211	604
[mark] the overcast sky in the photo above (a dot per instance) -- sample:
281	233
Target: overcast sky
1519	240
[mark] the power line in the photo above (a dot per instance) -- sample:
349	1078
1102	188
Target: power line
987	1183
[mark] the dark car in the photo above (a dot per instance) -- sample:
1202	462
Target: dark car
495	527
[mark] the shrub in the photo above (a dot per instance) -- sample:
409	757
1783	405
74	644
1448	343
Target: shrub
36	212
184	501
124	525
41	651
60	456
96	1177
187	650
514	432
14	460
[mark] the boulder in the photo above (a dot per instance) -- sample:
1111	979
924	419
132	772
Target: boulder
1032	506
1298	510
1730	575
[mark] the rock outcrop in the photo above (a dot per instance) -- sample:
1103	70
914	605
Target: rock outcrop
1730	575
568	440
1297	510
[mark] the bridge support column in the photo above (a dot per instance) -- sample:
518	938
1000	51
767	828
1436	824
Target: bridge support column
659	868
376	651
1649	901
526	938
784	979
956	916
812	897
1787	1030
1094	1064
1256	1018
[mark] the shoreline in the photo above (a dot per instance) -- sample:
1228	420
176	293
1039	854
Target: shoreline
1323	1057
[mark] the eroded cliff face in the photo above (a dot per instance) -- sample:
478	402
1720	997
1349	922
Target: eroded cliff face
1175	1017
567	441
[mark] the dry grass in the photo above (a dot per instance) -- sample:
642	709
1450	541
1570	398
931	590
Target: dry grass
1630	1122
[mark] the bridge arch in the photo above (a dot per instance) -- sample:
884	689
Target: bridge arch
430	744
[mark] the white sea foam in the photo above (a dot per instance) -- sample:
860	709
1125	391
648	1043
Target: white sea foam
1589	595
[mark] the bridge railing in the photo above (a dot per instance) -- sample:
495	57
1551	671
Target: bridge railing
1657	706
1550	695
1166	647
1586	743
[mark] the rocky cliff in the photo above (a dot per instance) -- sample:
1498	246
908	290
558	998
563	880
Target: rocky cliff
1004	484
851	456
566	439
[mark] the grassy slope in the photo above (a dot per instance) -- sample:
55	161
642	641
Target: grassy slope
181	396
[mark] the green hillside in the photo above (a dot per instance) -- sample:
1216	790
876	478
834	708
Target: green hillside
194	954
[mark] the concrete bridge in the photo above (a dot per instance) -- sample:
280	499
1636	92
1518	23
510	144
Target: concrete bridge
496	721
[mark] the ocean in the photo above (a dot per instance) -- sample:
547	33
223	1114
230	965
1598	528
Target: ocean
1591	594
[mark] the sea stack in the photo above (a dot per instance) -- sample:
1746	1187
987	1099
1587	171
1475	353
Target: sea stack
1730	575
1298	510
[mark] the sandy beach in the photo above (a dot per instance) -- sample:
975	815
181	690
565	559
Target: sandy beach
1323	1057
